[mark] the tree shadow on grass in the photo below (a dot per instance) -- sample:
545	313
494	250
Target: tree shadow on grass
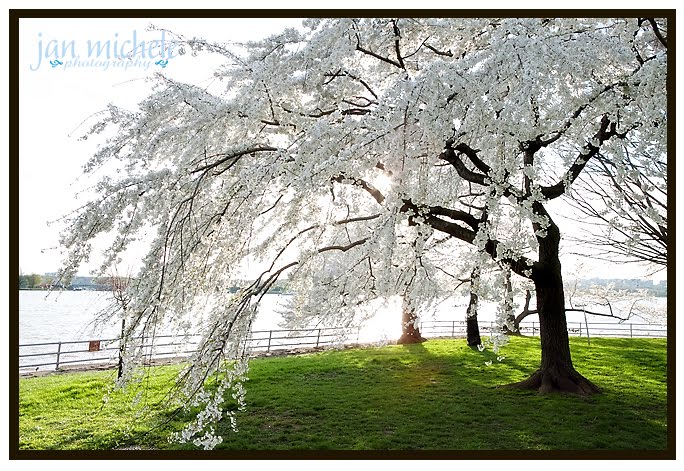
438	395
554	418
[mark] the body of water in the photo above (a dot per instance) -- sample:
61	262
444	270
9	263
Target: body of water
69	315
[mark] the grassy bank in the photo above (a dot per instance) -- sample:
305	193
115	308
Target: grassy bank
437	395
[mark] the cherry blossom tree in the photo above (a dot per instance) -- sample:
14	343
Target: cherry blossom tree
340	153
621	198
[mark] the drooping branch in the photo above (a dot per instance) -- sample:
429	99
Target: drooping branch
641	198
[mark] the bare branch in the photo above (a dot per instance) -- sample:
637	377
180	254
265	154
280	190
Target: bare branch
440	53
357	219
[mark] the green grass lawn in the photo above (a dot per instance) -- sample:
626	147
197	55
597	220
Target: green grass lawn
439	395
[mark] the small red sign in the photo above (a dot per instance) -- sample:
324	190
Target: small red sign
94	346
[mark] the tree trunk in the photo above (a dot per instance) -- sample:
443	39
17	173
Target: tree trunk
121	348
556	372
473	331
410	333
525	312
472	326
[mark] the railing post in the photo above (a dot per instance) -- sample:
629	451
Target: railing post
533	328
59	350
270	334
580	324
453	328
586	323
319	337
630	331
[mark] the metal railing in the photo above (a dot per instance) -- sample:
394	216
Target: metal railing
36	356
577	329
104	352
59	354
280	339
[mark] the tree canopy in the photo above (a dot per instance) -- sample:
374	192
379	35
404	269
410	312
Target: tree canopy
344	155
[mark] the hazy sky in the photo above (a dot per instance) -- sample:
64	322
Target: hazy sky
58	105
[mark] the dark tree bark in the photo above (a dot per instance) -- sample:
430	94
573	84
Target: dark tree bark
472	326
410	333
556	372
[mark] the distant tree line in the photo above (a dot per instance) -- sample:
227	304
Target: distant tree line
631	285
105	283
32	281
50	280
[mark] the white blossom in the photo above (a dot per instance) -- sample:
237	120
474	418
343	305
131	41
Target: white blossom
325	160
